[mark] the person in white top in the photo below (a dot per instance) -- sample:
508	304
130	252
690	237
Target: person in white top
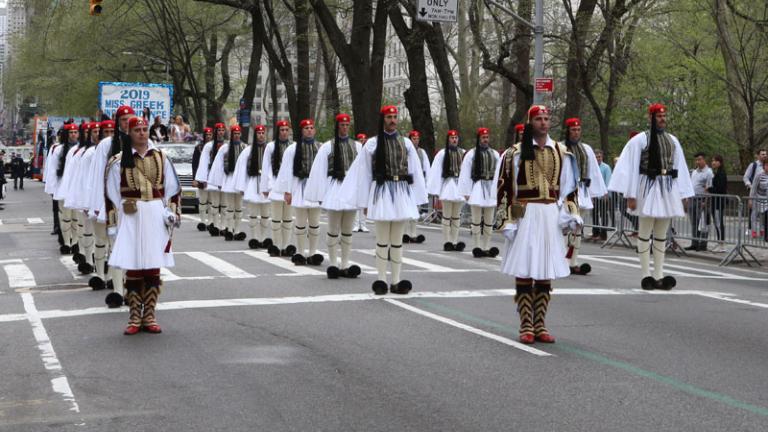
248	183
143	188
443	182
222	175
589	184
324	186
653	176
61	157
295	169
411	235
477	183
202	192
282	213
217	206
386	179
109	146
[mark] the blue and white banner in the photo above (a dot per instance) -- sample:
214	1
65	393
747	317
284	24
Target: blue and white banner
157	97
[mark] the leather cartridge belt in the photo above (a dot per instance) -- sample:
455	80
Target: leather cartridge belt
586	182
136	194
481	178
659	172
537	201
406	177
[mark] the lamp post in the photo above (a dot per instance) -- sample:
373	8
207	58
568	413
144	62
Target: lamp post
163	62
538	42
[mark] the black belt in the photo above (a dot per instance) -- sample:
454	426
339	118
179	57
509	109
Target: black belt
406	177
474	179
659	172
586	182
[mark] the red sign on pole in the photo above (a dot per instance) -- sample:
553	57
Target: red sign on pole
545	85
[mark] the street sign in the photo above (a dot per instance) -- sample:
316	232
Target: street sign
545	85
437	10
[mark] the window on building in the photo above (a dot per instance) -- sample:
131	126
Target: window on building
258	106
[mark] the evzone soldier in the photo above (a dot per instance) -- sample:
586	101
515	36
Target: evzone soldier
202	193
324	186
222	175
216	206
142	187
110	146
411	235
67	220
477	183
589	184
386	179
360	225
536	176
248	182
78	196
292	182
653	176
443	181
282	213
106	130
50	180
53	178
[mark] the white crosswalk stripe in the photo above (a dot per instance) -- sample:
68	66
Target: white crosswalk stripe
19	275
220	265
35	221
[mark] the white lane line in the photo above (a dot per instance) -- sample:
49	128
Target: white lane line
34	221
193	218
19	275
363	267
284	264
423	264
66	261
59	382
636	266
220	265
465	327
1	221
719	296
697	271
169	276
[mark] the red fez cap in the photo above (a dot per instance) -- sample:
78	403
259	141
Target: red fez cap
260	128
414	133
361	136
656	108
136	122
519	128
537	110
389	109
573	121
235	128
343	118
282	123
207	130
124	110
306	122
219	125
86	125
95	125
483	131
70	126
453	133
108	124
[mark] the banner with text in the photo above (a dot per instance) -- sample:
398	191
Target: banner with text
157	97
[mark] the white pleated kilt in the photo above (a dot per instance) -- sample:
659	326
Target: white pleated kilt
392	201
483	194
537	251
297	194
141	239
228	185
585	198
332	200
658	199
450	190
252	192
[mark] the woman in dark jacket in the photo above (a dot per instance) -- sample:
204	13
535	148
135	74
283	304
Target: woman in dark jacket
719	187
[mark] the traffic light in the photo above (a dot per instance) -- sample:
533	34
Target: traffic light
95	7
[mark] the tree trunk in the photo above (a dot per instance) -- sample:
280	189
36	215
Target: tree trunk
580	24
331	92
249	92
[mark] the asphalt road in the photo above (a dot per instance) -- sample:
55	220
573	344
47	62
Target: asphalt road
256	344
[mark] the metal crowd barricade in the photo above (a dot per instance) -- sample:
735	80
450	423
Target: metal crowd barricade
755	224
609	220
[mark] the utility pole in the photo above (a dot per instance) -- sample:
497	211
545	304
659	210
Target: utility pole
538	41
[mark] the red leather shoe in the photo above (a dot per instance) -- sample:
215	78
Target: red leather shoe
154	328
527	338
545	338
131	330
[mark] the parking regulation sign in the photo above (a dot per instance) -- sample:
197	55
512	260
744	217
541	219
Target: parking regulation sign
437	10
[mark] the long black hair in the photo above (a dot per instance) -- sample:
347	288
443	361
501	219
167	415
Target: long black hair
526	144
254	161
65	146
298	155
277	152
338	166
446	158
476	163
229	166
117	138
380	158
126	161
654	149
214	148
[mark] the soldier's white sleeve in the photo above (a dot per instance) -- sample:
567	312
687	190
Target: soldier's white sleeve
424	160
418	188
435	175
205	158
626	175
216	173
284	181
265	182
567	178
171	185
241	169
317	184
684	185
356	187
465	175
597	185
